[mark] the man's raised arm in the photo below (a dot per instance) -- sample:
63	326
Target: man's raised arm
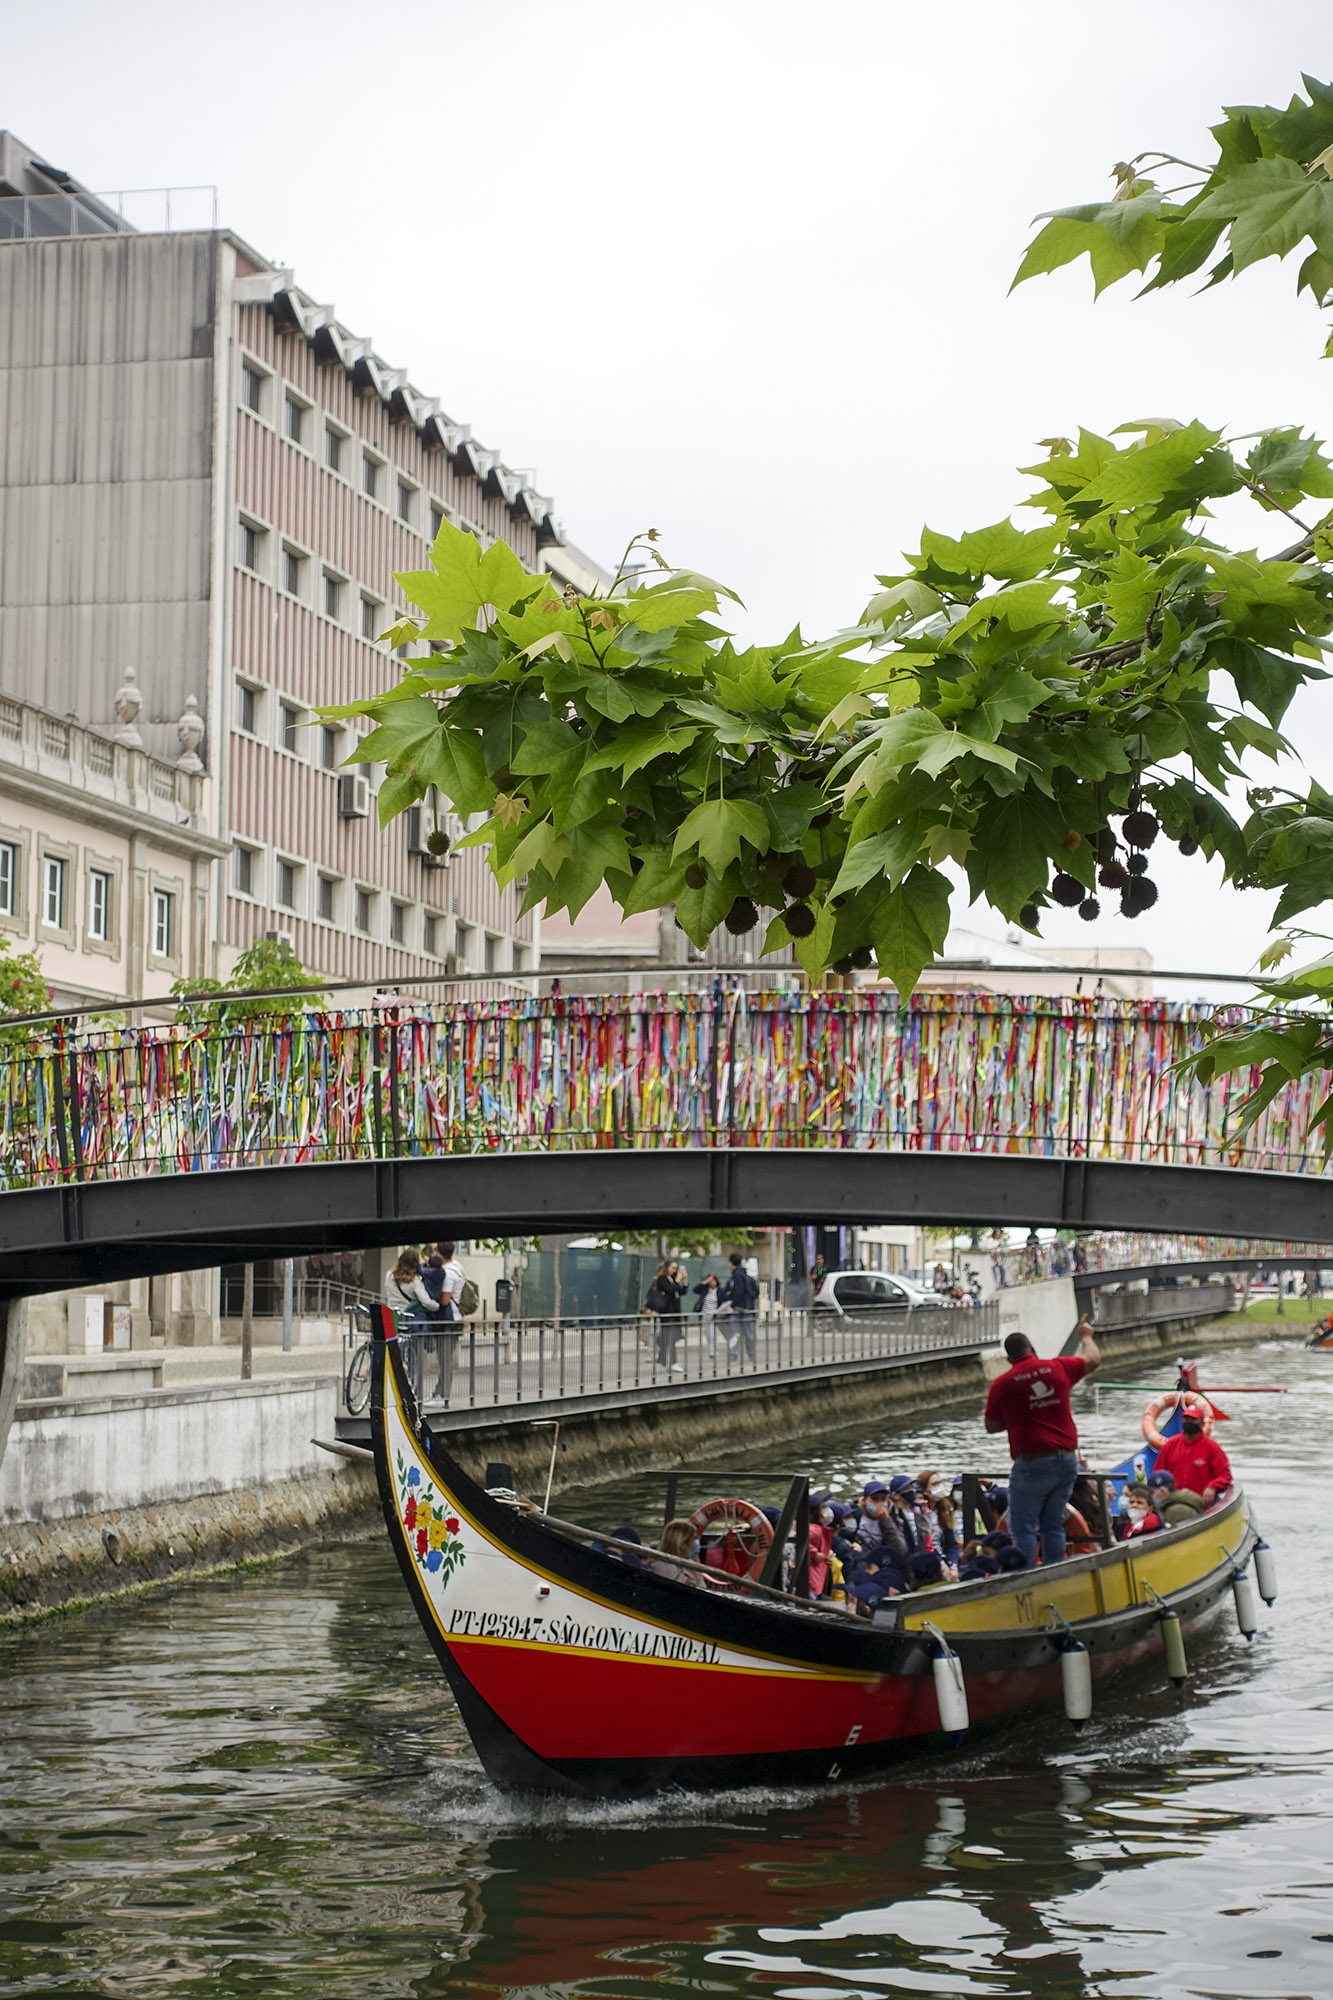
1087	1345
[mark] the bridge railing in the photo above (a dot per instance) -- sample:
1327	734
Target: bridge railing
1115	1250
1081	1078
533	1361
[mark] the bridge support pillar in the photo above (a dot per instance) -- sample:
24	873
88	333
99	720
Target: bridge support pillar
13	1339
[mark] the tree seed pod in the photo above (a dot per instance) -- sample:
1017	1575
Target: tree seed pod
799	919
842	967
1067	892
741	917
1113	876
1106	844
696	876
1188	844
437	842
799	880
1089	909
1029	916
1140	828
862	958
1137	864
1146	892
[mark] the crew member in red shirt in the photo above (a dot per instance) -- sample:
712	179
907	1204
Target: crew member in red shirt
1031	1402
1193	1460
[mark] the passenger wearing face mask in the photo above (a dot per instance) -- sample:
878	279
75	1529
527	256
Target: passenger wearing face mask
1139	1516
937	1515
821	1546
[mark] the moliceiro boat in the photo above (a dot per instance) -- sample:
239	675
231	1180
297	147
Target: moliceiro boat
578	1673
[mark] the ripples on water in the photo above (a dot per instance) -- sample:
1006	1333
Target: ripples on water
259	1786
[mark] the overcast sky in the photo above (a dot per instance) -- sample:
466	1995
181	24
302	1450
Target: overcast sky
734	269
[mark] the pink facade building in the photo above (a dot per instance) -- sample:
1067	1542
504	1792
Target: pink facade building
206	479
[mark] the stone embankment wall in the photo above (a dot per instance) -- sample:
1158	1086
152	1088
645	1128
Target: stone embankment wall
70	1530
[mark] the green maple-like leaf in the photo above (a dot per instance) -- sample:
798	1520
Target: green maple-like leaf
720	828
1272	205
910	926
462	583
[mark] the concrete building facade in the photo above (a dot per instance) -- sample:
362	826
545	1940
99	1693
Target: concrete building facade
206	485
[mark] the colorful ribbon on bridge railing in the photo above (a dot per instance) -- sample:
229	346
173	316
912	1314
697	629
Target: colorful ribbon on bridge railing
951	1072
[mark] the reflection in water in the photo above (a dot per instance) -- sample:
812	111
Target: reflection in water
259	1786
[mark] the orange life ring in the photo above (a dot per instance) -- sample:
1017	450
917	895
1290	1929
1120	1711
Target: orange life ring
746	1533
1171	1400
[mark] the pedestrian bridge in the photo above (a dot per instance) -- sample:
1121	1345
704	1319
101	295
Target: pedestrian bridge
129	1151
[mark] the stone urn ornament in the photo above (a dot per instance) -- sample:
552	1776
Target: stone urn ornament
128	702
190	734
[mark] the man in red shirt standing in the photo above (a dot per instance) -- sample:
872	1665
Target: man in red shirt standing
1193	1460
1031	1402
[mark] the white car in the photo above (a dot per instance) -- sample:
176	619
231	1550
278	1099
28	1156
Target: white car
846	1292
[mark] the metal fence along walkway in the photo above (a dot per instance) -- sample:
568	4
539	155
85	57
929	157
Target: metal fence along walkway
1091	1079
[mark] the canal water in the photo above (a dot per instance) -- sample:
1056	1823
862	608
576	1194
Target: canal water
259	1786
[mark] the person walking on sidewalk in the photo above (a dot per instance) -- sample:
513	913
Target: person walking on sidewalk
1031	1402
663	1302
741	1293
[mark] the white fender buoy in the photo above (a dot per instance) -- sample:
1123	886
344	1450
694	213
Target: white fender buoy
1173	1645
1076	1679
1247	1608
1265	1571
950	1689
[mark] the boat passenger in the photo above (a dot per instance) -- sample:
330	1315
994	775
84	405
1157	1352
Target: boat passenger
1197	1463
1012	1558
678	1539
628	1534
937	1509
882	1529
1031	1402
821	1547
925	1571
1175	1504
982	1564
1140	1517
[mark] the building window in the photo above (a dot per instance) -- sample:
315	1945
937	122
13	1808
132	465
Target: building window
398	923
491	952
370	476
463	944
333	448
99	905
285	885
252	388
293	572
9	878
247	708
430	935
243	871
406	500
436	519
364	910
324	893
333	595
520	958
249	546
330	743
291	728
294	419
370	618
53	892
164	923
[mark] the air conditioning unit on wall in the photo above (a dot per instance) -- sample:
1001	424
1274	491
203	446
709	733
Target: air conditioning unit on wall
353	796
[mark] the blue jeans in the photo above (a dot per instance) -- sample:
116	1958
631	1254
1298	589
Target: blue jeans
1038	1491
743	1333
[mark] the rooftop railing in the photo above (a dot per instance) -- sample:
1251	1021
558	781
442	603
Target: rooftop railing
124	211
